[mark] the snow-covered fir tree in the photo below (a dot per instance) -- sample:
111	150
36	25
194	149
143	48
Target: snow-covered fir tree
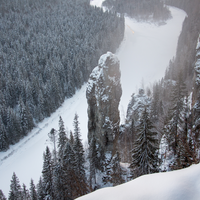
145	149
2	196
59	182
62	138
25	193
33	192
15	188
78	150
116	170
47	175
40	190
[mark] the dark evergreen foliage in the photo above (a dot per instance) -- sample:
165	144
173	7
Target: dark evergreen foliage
40	190
25	193
33	192
48	49
15	188
116	171
2	196
78	150
62	138
59	183
145	157
47	175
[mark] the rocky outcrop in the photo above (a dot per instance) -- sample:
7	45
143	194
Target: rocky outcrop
103	97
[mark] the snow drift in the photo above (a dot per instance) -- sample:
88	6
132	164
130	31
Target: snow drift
177	185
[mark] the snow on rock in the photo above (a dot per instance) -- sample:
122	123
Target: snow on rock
177	185
197	64
103	96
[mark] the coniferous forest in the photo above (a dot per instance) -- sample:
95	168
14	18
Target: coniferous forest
47	52
50	54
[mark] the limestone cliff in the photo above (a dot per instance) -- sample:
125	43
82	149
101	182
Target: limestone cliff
103	97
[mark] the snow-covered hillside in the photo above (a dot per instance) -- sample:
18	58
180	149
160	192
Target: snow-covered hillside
177	185
143	55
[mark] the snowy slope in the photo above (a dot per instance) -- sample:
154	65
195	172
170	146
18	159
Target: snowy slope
144	54
26	157
177	185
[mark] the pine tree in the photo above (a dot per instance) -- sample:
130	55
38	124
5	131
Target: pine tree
47	175
3	137
2	196
69	172
177	96
33	193
62	138
78	150
116	171
79	159
185	155
25	193
52	135
144	153
23	118
40	190
59	182
71	139
15	188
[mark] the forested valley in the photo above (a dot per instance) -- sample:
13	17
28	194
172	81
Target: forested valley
171	105
48	49
161	131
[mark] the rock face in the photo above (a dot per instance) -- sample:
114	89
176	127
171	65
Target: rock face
103	97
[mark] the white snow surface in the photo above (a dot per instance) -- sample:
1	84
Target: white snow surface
97	3
143	55
177	185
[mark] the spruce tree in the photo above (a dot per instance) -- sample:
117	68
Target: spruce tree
78	150
40	190
71	139
144	153
15	188
47	175
69	172
52	135
3	137
116	171
79	159
59	182
62	138
2	196
177	96
33	192
25	193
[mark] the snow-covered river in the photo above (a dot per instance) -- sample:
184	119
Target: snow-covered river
143	55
